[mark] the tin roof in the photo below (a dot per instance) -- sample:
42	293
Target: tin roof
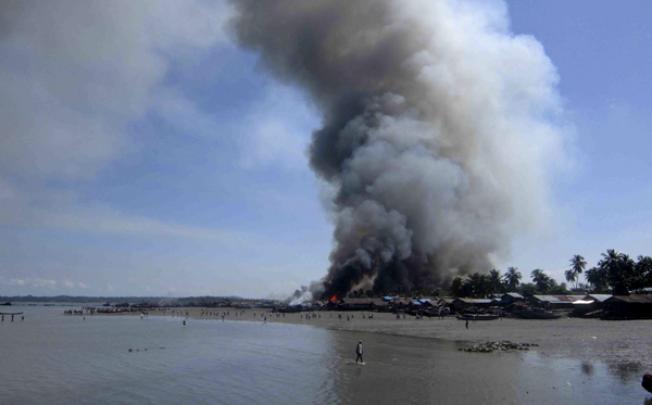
475	300
599	297
583	302
632	299
558	299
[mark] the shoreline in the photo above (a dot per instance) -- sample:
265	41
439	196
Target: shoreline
613	342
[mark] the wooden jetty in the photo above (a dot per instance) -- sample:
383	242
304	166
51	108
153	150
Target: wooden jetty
11	314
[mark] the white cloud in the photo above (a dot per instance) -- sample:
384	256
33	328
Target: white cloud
64	212
184	115
33	282
277	131
74	74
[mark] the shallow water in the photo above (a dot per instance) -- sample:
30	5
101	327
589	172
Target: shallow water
57	359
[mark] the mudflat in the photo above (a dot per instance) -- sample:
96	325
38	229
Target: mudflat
614	342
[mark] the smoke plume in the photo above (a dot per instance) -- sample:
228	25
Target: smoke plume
437	124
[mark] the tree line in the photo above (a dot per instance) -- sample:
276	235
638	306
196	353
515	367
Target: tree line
616	273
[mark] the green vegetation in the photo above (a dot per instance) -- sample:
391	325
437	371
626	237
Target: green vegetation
616	273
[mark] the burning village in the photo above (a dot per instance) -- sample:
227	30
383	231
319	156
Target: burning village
427	171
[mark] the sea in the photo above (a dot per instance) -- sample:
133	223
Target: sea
52	358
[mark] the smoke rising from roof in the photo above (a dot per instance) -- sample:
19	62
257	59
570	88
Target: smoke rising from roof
437	123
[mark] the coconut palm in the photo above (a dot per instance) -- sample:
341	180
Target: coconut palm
578	264
619	269
479	284
597	277
512	278
643	273
495	284
541	280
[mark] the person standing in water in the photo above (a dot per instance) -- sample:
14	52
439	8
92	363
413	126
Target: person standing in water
467	324
358	353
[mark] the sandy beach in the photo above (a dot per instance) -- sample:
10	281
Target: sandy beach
126	359
619	343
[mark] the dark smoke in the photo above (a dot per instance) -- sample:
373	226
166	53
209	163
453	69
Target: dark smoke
436	123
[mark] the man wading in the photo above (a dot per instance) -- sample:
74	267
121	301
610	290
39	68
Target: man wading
358	353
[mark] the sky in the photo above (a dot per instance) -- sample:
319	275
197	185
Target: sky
143	153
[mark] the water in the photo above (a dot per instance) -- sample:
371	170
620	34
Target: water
56	359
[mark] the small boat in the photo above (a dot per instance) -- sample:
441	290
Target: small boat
477	317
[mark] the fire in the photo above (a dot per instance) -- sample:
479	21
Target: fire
333	298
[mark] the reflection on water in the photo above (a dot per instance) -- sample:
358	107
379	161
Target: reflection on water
587	368
626	371
56	359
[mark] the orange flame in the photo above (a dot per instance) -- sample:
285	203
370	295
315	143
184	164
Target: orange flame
333	298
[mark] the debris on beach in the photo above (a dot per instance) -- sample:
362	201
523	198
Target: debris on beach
502	345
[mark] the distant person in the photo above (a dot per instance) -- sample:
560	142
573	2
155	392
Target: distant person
467	324
358	353
184	322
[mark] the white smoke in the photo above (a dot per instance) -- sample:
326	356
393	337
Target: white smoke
439	127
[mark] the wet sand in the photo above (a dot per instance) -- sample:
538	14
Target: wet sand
620	343
210	361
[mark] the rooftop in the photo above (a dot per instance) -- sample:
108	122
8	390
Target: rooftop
632	299
559	299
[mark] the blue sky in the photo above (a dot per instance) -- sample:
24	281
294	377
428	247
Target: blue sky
602	56
191	175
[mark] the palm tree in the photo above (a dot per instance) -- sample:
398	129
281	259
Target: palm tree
643	273
578	264
619	269
456	287
541	279
479	284
512	278
495	284
597	277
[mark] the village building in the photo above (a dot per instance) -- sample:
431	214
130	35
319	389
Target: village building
556	301
362	304
510	298
635	306
589	304
465	304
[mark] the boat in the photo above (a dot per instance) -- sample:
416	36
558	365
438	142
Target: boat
477	317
